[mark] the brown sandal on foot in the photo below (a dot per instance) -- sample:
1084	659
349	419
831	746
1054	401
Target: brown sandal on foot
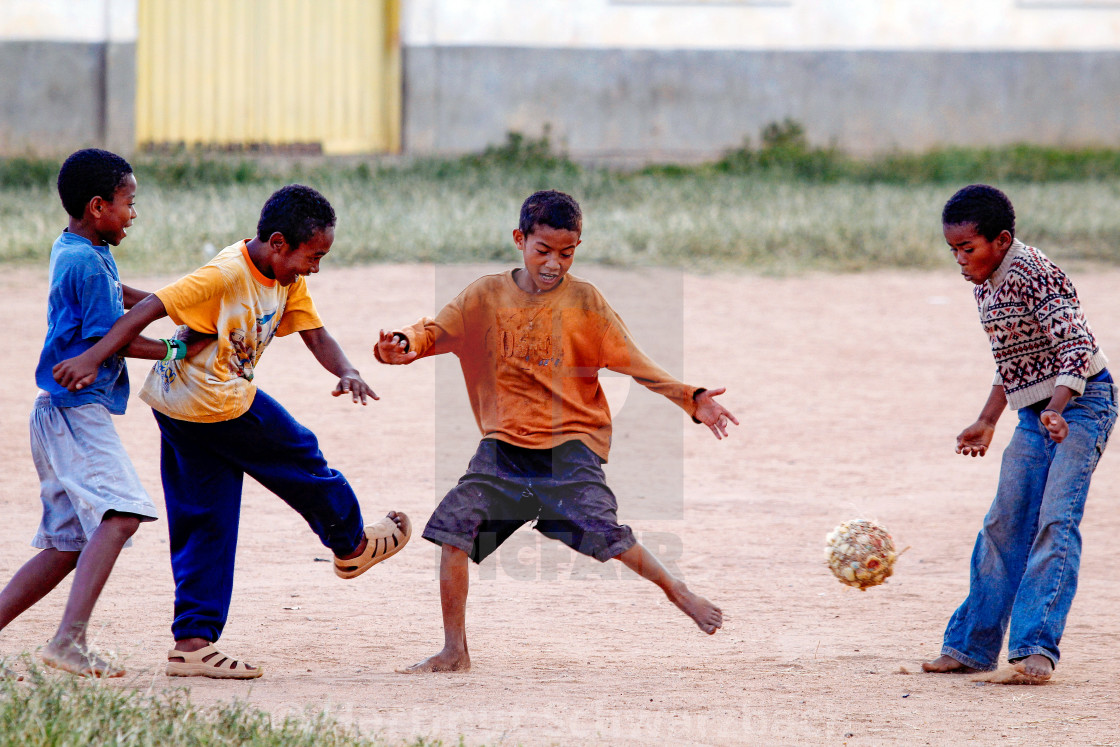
208	661
384	539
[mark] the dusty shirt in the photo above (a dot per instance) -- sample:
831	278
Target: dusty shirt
531	360
228	297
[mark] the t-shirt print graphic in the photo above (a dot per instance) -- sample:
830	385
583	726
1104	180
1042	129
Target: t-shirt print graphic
528	338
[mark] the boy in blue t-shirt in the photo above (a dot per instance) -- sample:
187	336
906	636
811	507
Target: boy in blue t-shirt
93	501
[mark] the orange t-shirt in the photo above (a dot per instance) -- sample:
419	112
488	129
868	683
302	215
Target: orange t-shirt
230	298
531	360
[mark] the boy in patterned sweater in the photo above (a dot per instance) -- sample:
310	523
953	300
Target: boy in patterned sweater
1050	369
531	342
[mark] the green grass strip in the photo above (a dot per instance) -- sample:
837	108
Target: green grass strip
54	710
783	207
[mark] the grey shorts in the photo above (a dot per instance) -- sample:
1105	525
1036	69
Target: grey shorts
562	489
84	473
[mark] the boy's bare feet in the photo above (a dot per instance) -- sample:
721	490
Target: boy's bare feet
705	614
946	664
444	661
1035	666
70	658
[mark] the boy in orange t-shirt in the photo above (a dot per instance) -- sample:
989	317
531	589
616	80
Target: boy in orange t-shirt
531	342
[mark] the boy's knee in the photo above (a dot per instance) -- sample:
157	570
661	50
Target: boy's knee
122	525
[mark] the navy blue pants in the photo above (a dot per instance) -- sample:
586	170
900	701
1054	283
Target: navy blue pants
204	465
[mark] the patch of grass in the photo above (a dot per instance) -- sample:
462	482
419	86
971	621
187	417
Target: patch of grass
782	207
24	173
55	710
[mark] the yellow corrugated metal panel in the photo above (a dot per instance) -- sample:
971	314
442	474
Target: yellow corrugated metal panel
275	72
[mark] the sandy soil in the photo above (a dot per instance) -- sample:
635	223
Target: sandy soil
850	390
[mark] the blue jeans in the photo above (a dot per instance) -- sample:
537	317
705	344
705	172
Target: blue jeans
1026	558
204	465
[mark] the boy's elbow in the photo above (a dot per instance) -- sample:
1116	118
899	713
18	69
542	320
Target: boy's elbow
147	310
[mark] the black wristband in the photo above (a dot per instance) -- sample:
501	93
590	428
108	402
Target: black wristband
696	394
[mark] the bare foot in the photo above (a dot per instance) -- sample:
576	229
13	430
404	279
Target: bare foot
444	661
70	658
705	614
1036	667
946	664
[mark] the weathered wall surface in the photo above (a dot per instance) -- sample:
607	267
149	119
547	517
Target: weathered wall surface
646	79
686	80
60	96
67	75
692	104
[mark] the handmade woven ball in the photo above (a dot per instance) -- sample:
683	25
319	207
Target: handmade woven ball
860	553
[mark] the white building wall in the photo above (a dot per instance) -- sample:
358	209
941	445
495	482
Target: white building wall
68	20
965	25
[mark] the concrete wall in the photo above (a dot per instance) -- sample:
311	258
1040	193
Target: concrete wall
636	105
67	75
646	79
687	79
60	96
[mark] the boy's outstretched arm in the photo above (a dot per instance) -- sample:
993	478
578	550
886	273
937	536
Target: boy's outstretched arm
392	348
712	413
975	439
81	370
330	356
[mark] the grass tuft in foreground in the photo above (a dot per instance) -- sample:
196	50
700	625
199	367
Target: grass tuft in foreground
49	710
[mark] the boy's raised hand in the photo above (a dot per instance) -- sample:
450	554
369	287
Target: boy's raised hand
712	413
353	384
393	350
974	440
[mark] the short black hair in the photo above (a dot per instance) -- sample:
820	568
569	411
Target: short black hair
550	208
90	173
296	212
985	207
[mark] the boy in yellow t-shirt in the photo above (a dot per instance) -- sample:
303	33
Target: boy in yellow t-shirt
216	426
531	342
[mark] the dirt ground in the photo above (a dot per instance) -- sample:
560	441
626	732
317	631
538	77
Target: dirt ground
850	390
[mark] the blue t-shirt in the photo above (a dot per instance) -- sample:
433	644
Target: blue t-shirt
85	299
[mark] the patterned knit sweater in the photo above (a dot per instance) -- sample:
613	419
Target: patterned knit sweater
1040	339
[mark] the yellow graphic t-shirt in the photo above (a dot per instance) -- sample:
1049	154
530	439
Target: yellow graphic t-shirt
230	298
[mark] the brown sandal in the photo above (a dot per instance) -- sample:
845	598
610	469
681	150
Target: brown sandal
208	661
384	539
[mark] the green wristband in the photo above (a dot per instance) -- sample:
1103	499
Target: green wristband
176	350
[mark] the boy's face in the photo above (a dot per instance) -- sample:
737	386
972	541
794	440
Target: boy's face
549	253
111	220
977	256
289	263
